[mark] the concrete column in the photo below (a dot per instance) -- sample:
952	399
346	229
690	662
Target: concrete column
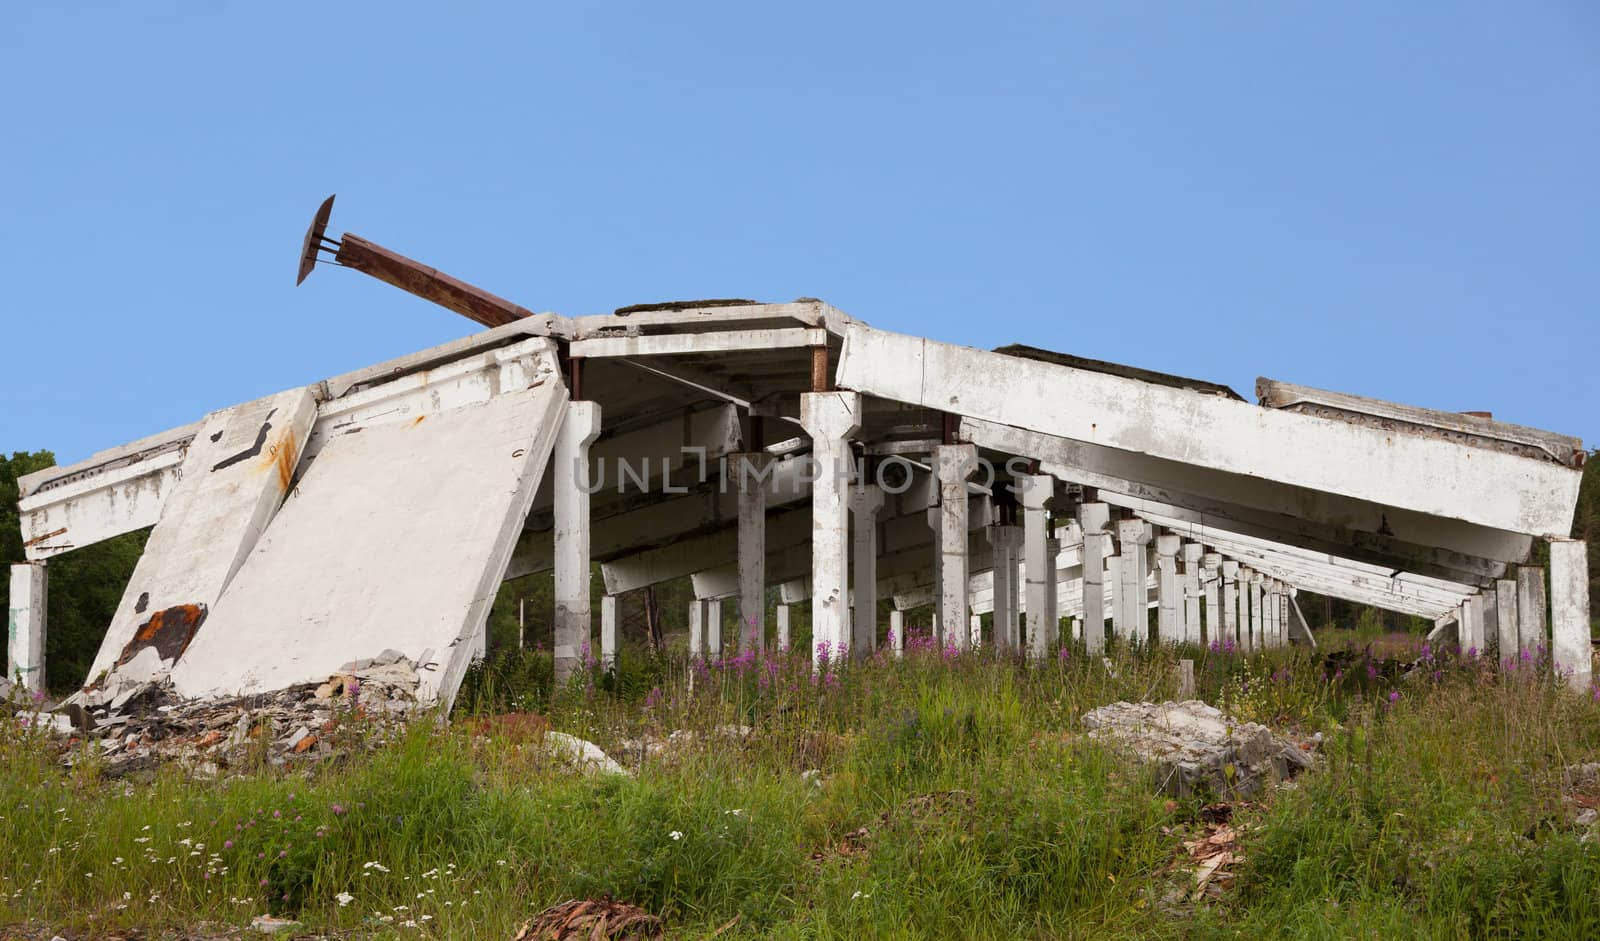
1093	519
1211	587
975	630
1530	608
1052	595
1275	609
1230	603
1280	623
1113	585
1250	624
1491	623
783	626
1570	646
830	418
897	632
714	628
1133	598
954	462
697	627
934	523
1505	595
569	484
1169	599
1005	540
1038	565
1469	625
751	471
1191	592
865	502
26	626
608	631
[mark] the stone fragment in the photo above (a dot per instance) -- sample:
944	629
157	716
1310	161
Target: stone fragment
587	756
1195	749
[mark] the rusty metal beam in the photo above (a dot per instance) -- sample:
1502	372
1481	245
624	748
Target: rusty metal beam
430	284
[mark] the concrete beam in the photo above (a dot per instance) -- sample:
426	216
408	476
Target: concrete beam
680	344
1420	473
1375	532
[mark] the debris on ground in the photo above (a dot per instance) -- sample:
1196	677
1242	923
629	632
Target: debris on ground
584	755
1207	858
267	924
147	724
1580	795
637	750
1195	749
590	920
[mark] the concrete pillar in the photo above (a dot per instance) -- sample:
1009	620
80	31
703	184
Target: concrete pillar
569	484
1505	594
1093	519
1250	610
897	632
752	470
1191	592
1275	609
697	627
782	613
1470	625
1491	623
830	418
1113	585
608	631
1038	564
1133	598
954	462
1570	646
26	626
865	502
1211	587
934	523
1052	595
714	628
1281	611
1006	540
1169	599
975	631
1230	604
1530	608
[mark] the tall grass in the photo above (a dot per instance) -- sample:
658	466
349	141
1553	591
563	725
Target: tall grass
934	796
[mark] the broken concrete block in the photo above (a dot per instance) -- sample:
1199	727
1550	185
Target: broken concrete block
1194	748
587	756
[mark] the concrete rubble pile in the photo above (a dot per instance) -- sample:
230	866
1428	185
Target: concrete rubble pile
1196	749
149	725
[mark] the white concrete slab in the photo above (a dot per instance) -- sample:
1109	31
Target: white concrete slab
234	478
396	537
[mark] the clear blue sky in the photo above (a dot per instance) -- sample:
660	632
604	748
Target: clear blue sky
1397	200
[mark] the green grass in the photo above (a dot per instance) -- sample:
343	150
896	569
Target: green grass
951	798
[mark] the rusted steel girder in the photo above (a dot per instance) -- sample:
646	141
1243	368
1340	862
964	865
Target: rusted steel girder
413	277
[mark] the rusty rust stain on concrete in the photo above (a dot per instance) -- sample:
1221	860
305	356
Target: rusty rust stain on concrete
169	631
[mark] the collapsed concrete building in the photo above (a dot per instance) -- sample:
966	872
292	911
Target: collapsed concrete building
753	447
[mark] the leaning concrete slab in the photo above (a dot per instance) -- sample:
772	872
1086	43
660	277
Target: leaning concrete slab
234	478
396	537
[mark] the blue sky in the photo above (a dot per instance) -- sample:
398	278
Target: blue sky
1396	200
